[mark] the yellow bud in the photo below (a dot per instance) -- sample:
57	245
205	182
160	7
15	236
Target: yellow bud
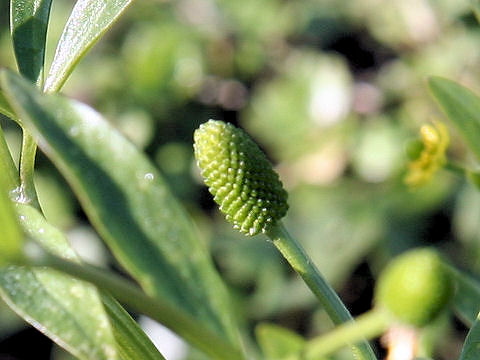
435	140
430	136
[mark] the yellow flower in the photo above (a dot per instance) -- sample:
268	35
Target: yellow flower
435	140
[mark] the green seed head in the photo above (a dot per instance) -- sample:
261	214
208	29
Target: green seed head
415	287
240	177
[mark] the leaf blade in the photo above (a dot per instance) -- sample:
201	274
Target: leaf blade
67	310
278	342
89	20
129	340
465	300
128	202
28	22
12	238
132	342
5	108
461	106
471	350
475	4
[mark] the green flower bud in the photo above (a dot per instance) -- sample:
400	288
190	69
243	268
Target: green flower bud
415	287
240	177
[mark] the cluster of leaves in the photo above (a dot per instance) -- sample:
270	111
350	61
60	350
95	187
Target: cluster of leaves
167	67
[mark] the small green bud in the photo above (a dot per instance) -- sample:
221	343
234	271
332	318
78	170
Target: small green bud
240	177
415	287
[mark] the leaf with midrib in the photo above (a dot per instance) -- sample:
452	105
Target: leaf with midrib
88	324
133	343
128	202
29	21
89	20
67	310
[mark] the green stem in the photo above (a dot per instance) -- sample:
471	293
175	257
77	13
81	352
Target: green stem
184	325
366	326
7	166
27	164
303	265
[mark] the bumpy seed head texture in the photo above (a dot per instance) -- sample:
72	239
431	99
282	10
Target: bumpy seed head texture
240	177
415	287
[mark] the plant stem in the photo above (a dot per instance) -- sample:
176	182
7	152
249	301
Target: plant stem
176	320
27	164
7	166
366	326
303	265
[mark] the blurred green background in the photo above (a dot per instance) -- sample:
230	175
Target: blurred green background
330	89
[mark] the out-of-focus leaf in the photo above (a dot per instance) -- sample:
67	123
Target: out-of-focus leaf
328	220
131	343
466	301
67	310
462	107
476	8
8	169
278	342
154	66
29	21
128	203
57	204
471	350
11	235
89	20
466	225
311	94
5	108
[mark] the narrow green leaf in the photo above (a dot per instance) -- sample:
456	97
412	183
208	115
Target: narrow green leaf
28	22
35	227
8	170
471	348
11	235
466	297
476	8
65	309
462	107
5	108
131	342
128	202
193	331
89	20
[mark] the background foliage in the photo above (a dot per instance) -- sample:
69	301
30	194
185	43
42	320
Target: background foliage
331	90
